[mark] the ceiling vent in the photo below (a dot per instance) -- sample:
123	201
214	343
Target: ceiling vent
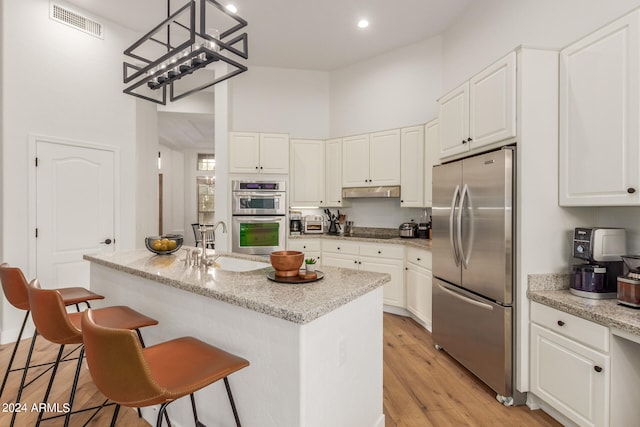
75	20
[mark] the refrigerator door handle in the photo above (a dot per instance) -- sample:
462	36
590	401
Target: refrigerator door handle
452	242
465	258
465	299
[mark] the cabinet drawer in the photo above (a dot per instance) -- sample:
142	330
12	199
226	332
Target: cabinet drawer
576	328
304	245
341	247
382	251
420	257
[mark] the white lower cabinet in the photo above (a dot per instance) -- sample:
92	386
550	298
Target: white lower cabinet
310	247
570	365
370	257
418	280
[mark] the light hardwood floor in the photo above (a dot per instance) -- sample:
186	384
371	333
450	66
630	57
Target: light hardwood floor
425	387
422	387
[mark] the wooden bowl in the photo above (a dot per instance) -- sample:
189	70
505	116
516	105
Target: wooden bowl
286	263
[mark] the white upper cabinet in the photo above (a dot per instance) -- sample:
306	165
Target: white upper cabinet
600	117
252	152
481	111
431	144
454	121
333	173
371	159
355	161
412	166
307	173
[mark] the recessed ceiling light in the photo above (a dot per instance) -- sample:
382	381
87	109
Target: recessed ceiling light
363	23
231	8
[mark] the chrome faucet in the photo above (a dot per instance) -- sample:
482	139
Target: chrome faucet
204	260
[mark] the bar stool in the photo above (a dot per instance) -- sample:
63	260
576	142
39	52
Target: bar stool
14	286
137	377
55	324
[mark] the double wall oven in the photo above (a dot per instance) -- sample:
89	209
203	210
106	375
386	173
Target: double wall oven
259	216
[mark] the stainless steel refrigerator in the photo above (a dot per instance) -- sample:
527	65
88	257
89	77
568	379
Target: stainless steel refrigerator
473	265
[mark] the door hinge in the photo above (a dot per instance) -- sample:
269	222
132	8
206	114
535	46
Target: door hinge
36	162
36	233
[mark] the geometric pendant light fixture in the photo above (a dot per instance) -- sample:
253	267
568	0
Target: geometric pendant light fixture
179	57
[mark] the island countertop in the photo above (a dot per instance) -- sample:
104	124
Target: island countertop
297	303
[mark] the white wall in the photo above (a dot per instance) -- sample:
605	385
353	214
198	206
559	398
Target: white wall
488	29
281	100
389	91
59	82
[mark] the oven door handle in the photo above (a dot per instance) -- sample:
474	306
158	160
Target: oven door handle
259	219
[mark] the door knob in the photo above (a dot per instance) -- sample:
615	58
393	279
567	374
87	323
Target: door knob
106	242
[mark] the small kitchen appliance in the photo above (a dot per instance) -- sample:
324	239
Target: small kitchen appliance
313	224
295	223
602	248
408	229
629	285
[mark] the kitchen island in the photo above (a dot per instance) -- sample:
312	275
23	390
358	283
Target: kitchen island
315	349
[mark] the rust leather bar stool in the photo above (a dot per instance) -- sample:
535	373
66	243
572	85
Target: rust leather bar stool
14	286
55	324
133	376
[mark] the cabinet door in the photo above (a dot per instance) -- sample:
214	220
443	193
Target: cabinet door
419	282
412	166
244	152
310	247
572	378
393	292
431	145
337	260
599	96
333	173
355	161
307	173
492	103
384	158
274	153
454	121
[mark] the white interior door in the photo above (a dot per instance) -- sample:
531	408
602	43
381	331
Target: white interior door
74	211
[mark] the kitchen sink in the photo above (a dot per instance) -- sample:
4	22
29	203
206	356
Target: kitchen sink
238	264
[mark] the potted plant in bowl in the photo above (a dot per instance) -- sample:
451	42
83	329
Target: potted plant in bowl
310	265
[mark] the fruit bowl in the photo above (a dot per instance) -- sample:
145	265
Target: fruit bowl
165	244
286	263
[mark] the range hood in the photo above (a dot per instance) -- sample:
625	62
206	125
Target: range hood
370	192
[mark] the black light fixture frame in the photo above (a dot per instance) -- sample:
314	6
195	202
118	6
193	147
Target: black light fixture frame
199	56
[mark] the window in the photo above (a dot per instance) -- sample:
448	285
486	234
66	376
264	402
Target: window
206	162
206	199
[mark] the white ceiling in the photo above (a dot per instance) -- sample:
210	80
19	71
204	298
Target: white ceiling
302	34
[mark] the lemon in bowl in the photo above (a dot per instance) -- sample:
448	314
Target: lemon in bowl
165	244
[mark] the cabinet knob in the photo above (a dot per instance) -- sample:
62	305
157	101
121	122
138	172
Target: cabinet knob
260	167
464	141
339	201
338	248
469	139
379	252
355	262
304	247
406	268
418	259
597	368
631	190
359	262
320	201
256	167
401	201
560	323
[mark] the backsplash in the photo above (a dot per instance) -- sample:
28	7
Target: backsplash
379	213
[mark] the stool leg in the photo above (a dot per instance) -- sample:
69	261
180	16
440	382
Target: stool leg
193	407
115	415
15	350
73	387
24	375
45	399
233	405
162	412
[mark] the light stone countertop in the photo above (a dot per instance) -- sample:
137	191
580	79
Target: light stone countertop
297	303
417	243
553	290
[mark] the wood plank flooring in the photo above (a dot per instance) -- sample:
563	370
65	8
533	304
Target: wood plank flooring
422	387
425	387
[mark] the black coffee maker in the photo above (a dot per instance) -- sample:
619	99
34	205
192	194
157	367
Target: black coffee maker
295	223
602	249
